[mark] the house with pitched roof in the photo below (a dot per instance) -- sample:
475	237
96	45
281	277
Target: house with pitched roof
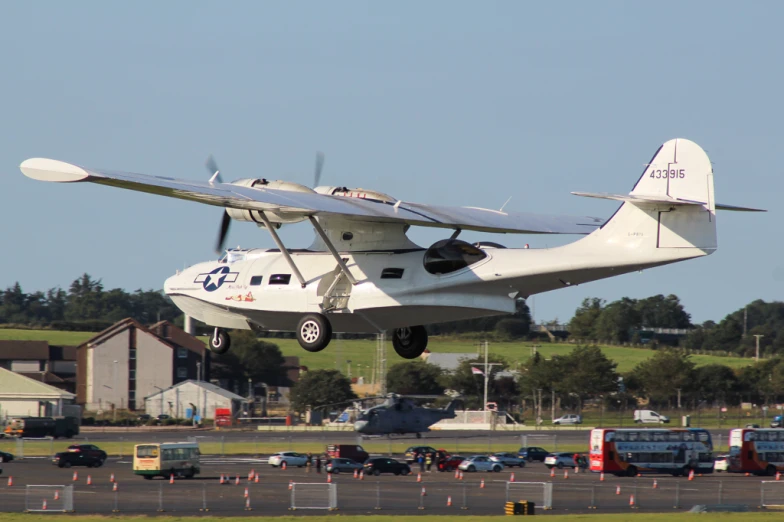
22	396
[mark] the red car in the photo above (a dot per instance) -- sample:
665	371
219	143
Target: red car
451	463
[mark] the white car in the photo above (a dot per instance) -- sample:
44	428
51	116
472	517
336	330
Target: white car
290	458
480	463
569	419
722	463
559	460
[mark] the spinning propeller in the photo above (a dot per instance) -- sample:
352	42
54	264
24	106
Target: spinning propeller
212	168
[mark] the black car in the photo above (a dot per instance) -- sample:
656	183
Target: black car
80	455
6	457
381	465
532	453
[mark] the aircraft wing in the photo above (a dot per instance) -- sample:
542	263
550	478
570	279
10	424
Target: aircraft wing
313	204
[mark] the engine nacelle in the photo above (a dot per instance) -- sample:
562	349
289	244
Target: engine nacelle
360	193
275	217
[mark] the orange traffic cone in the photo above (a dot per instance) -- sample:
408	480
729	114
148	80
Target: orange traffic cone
283	465
247	504
618	489
457	473
329	478
691	474
356	473
601	476
566	473
10	480
171	478
461	476
655	484
424	492
291	485
362	475
236	480
631	501
511	477
90	480
222	479
247	494
576	470
552	472
482	484
57	494
449	500
419	477
748	474
75	476
256	478
778	475
43	506
111	478
114	488
251	475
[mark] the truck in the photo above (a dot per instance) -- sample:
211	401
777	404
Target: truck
347	451
43	427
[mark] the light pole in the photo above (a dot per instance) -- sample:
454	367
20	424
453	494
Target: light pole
757	336
486	374
114	413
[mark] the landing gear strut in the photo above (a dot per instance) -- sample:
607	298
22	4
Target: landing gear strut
409	342
314	332
220	342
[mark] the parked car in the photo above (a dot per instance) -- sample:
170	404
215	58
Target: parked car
342	465
290	458
347	451
532	453
380	465
451	463
649	417
559	460
570	418
412	452
777	422
721	463
6	457
80	455
480	463
508	459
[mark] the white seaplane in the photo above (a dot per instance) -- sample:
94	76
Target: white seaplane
362	274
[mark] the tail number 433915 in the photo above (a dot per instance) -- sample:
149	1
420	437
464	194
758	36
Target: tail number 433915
664	174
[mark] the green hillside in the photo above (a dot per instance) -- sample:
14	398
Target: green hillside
361	352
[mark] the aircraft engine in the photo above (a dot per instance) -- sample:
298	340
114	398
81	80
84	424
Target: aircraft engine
276	217
360	193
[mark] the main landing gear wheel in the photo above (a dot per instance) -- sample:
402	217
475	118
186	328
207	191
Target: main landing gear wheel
220	342
314	332
409	342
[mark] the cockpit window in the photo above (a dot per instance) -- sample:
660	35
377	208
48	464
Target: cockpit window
451	255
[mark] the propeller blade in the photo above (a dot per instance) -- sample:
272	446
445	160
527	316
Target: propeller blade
212	167
319	166
224	231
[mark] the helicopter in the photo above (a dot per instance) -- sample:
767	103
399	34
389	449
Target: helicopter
399	415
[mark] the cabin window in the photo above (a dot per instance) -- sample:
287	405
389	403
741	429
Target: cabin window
451	255
392	273
348	236
256	280
279	279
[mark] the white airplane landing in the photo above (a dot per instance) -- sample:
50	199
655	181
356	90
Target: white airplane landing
363	274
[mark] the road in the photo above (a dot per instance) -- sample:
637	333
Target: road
394	495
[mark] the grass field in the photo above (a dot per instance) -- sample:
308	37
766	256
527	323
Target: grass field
362	352
639	517
262	447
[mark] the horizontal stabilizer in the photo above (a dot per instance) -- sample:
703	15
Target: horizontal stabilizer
643	199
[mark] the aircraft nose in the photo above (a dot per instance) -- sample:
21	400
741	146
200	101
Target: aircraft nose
360	425
173	283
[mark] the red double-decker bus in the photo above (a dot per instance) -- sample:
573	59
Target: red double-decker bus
757	451
627	452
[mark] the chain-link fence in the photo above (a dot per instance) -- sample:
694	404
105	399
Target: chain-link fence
48	498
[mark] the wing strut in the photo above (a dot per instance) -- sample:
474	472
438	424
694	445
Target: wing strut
282	248
332	250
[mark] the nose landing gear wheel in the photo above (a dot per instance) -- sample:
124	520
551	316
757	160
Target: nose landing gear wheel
409	342
314	332
220	342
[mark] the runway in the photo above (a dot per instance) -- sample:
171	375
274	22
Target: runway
393	495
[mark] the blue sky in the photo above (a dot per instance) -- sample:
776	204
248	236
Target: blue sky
460	103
